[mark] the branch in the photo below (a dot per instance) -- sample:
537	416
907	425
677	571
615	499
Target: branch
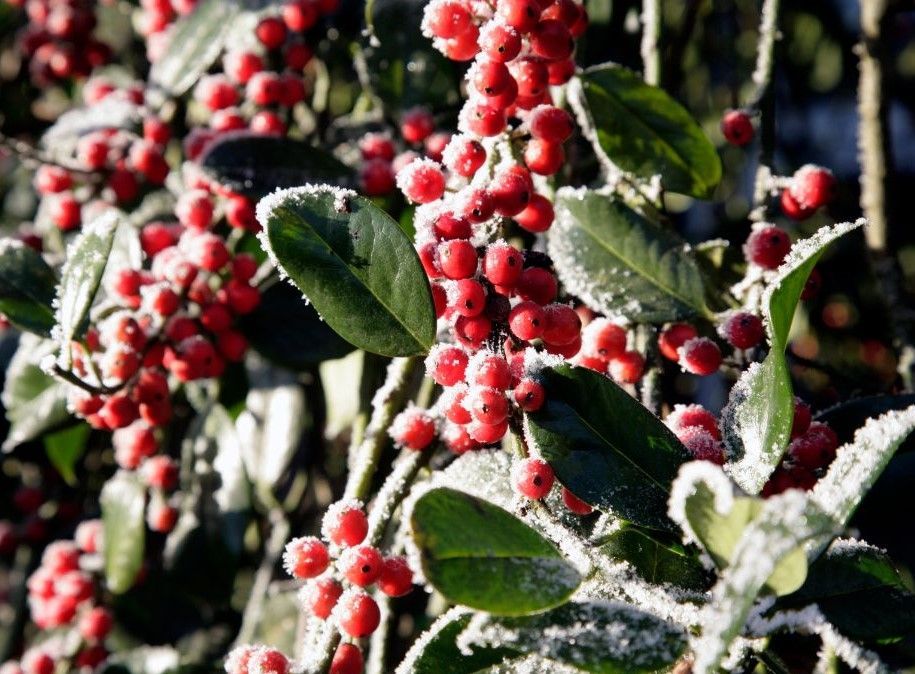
254	609
763	100
30	154
651	32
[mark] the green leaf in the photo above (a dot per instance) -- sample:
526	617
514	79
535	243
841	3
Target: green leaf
859	591
646	132
354	264
595	636
287	330
403	67
621	264
605	446
719	535
255	165
847	417
27	286
436	650
654	561
34	402
123	501
65	448
82	274
757	420
195	43
478	555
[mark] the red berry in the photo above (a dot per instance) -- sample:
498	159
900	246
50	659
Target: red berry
488	405
684	416
263	88
471	331
95	624
812	187
357	614
161	472
457	259
347	660
60	557
767	246
700	356
529	395
232	345
490	370
462	47
377	177
467	297
511	192
477	205
531	75
241	297
603	339
502	264
240	214
416	125
52	179
673	337
362	565
792	208
413	428
574	504
271	31
92	150
802	418
65	211
345	523
543	157
146	157
743	330
446	19
816	448
562	325
305	557
37	662
297	55
118	411
527	320
396	577
487	434
521	15
321	595
88	536
300	15
266	660
537	216
464	155
532	478
483	119
500	42
701	444
451	226
267	123
737	127
551	39
627	368
421	181
446	365
216	92
551	124
195	209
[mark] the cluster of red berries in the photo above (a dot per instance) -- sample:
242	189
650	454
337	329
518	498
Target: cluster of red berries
257	659
62	594
604	350
813	447
258	87
120	166
153	20
58	40
338	572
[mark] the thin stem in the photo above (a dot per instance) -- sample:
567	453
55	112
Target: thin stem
30	154
71	378
388	402
279	534
651	32
764	100
393	491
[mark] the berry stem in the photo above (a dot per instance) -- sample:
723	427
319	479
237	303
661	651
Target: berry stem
393	492
387	403
71	378
276	543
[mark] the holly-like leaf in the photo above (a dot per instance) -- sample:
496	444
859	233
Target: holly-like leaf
123	501
65	447
27	286
593	636
288	331
478	555
605	446
620	263
354	264
34	401
720	533
757	420
81	277
859	590
847	417
654	561
646	132
195	42
255	165
436	650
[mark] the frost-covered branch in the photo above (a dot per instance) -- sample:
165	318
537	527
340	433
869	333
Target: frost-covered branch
763	100
651	32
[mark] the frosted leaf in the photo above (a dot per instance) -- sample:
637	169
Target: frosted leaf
611	173
483	473
784	523
690	476
586	634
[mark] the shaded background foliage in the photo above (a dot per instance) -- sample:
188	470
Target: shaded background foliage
842	349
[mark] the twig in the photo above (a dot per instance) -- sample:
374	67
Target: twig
30	154
651	32
279	534
764	100
71	378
